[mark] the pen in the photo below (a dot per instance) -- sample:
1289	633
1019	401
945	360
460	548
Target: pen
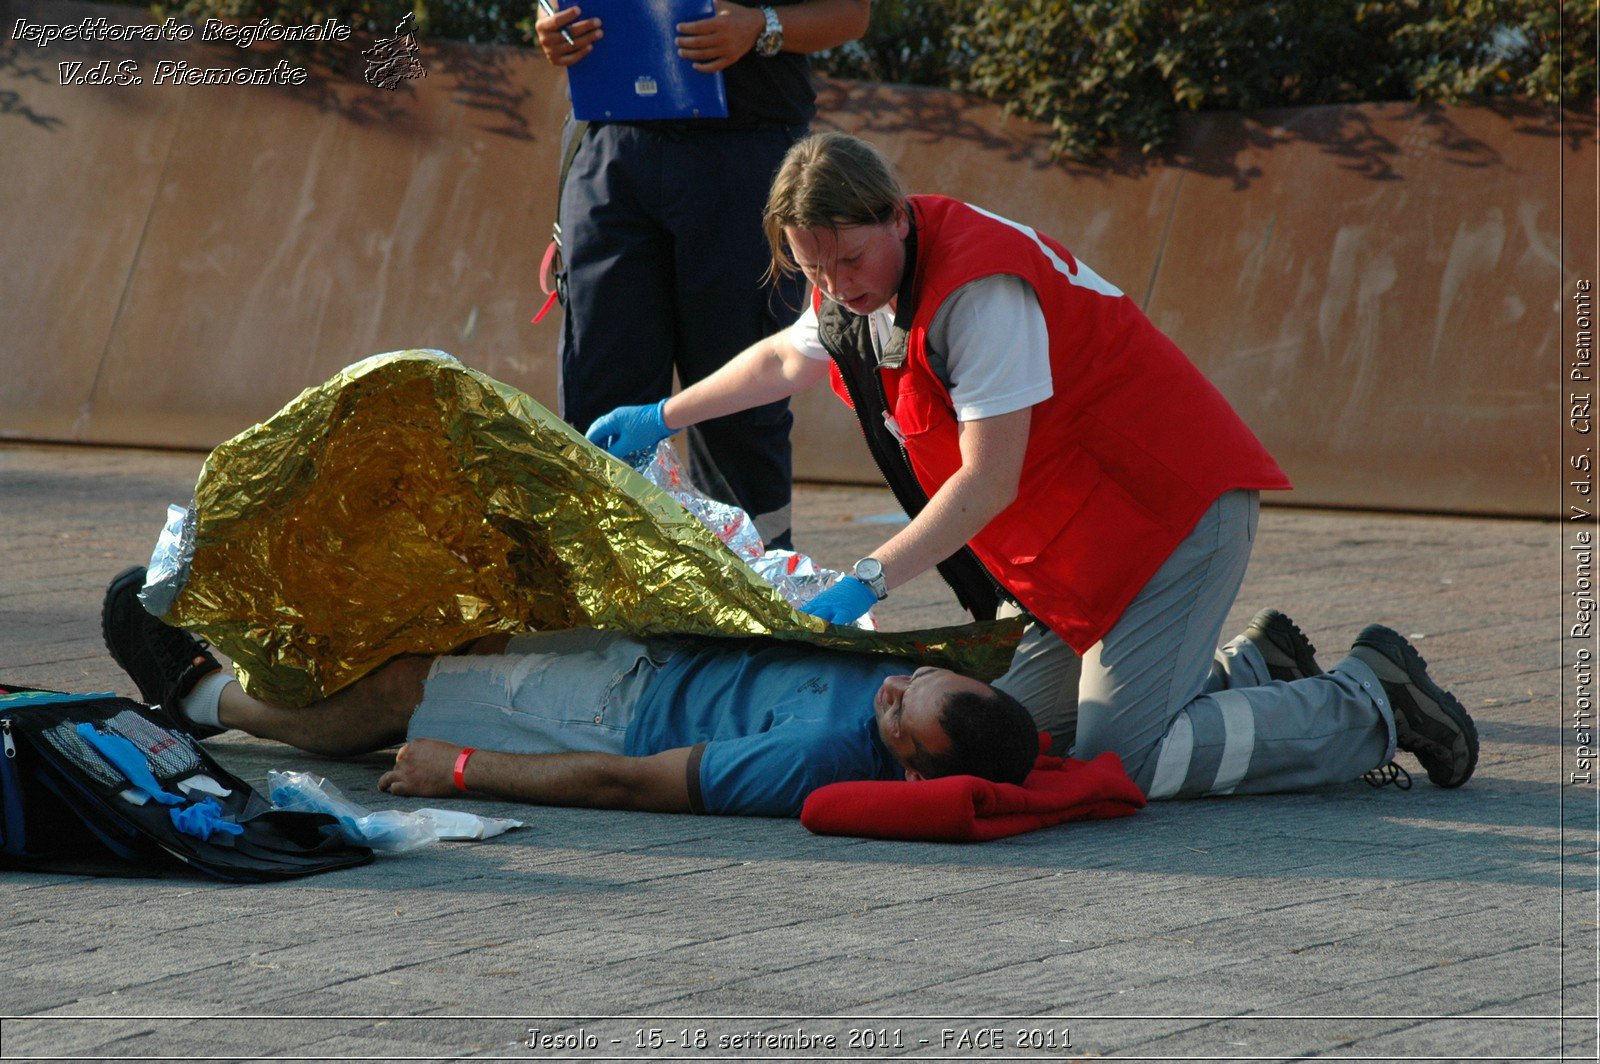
549	8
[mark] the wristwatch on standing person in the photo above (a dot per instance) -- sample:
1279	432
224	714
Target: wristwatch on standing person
770	43
870	572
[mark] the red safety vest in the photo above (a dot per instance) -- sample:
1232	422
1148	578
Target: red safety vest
1125	456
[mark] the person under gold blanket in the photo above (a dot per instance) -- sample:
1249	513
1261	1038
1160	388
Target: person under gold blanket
593	718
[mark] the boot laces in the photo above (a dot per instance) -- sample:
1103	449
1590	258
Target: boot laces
1386	774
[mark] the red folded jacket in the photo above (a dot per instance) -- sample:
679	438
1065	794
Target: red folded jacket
969	809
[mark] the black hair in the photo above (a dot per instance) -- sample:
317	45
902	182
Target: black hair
991	736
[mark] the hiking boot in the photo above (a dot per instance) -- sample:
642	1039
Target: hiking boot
164	662
1428	720
1289	654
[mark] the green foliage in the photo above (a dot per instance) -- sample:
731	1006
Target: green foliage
1116	72
908	42
1108	72
1477	49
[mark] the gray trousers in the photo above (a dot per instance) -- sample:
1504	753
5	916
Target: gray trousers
1186	718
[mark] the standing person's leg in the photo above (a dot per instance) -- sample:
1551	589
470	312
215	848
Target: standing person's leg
715	191
618	332
1145	687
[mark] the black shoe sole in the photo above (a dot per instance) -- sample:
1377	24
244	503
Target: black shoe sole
134	575
1276	628
1393	646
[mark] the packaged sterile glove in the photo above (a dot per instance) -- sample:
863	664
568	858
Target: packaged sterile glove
388	830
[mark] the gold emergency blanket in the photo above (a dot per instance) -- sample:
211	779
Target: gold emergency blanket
411	504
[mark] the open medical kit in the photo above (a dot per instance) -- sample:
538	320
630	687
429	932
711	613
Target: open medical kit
99	783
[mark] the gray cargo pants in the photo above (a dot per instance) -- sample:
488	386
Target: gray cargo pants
1186	718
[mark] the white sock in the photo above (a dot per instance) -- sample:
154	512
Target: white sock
200	704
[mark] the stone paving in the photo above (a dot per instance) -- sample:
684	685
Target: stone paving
1349	923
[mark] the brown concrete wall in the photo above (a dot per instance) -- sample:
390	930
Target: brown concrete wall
1375	287
188	258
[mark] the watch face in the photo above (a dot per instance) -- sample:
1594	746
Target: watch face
870	572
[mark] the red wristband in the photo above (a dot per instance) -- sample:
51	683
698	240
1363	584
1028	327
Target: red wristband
461	766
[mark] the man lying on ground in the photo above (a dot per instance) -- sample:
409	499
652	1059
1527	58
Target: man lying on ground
751	727
596	718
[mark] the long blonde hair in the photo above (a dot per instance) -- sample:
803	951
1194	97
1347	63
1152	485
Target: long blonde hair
826	181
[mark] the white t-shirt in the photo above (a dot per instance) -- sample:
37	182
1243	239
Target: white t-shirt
994	342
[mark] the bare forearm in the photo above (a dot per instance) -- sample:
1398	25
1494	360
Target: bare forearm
817	25
716	43
992	453
958	511
764	372
598	781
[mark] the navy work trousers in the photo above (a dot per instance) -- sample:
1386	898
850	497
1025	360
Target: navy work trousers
665	259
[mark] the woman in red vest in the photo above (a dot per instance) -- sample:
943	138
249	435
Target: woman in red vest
1057	452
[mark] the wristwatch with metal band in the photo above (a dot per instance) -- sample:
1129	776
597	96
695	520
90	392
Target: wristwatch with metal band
870	572
770	43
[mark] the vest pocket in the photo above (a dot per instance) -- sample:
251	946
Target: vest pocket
926	427
919	411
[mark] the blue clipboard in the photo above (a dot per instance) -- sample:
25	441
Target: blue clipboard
634	73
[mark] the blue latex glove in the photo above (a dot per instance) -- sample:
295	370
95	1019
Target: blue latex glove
129	760
203	819
843	602
630	429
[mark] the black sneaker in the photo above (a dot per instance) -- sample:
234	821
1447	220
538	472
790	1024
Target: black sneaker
1428	720
1289	654
164	662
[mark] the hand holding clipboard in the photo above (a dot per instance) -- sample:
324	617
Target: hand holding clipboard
639	75
562	38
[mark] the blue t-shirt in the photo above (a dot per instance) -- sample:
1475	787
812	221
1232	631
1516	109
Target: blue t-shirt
769	723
